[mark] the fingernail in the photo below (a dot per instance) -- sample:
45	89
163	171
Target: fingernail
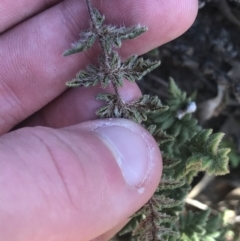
132	150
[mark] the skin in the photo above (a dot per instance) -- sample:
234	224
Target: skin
59	175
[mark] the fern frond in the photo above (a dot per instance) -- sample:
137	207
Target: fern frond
181	126
191	223
136	111
152	226
159	135
169	162
202	153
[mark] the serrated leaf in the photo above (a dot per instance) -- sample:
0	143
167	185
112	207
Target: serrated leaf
105	97
112	36
174	90
135	68
85	78
167	124
98	18
213	142
131	32
192	225
170	162
148	103
87	40
151	129
115	61
168	183
135	111
129	62
104	112
131	225
118	80
202	153
160	202
106	44
202	136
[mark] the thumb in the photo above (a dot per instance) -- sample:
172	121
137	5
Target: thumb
74	183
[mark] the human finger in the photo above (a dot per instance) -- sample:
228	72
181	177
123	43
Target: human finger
77	105
75	183
13	12
48	72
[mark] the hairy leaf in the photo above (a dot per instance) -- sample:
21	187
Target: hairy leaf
169	183
112	36
193	224
182	129
87	40
97	18
202	153
135	68
135	110
159	135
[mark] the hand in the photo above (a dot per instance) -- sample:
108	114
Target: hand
74	178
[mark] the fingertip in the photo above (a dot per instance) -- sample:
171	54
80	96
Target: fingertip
81	180
134	149
166	20
176	18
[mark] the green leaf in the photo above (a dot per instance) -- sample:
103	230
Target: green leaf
115	61
135	110
87	40
86	78
131	32
175	91
213	142
202	153
118	34
181	129
192	225
148	103
135	68
106	97
169	162
160	202
98	18
169	183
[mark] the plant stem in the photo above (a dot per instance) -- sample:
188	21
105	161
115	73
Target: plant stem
106	55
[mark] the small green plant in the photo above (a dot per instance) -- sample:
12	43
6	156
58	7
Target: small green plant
182	160
173	127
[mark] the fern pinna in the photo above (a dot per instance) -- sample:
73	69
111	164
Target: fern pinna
195	151
158	219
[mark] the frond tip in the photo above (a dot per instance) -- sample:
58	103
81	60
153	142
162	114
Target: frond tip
202	153
87	40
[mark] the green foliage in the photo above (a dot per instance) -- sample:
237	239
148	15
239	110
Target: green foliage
110	69
131	69
202	153
202	226
109	36
214	229
192	225
159	135
177	121
186	149
136	111
233	155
